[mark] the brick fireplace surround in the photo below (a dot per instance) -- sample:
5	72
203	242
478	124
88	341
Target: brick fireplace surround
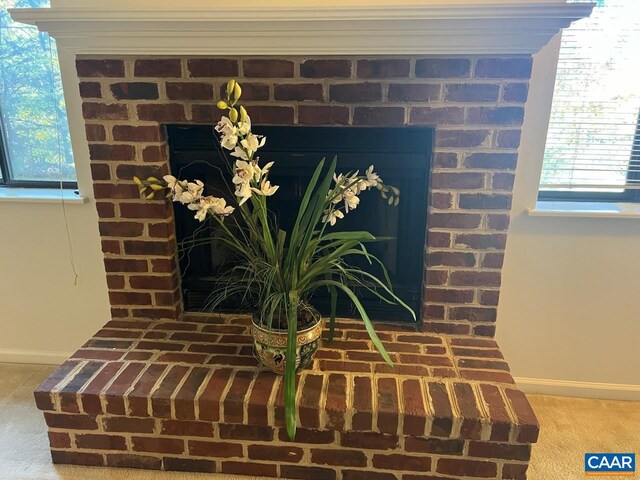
476	105
160	389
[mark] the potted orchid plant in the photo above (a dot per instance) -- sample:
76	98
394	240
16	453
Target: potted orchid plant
281	270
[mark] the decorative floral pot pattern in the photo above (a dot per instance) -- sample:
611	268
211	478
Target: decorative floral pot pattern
270	345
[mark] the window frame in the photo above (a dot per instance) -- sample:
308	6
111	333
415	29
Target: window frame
7	179
629	195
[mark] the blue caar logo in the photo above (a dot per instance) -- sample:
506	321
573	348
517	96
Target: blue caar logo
609	464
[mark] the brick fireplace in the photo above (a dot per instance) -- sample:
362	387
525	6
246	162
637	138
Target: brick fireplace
163	389
159	388
476	105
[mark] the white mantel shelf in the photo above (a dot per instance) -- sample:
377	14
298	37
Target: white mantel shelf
506	28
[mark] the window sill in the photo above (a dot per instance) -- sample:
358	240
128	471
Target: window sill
585	209
40	195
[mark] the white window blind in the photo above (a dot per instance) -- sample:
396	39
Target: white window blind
35	143
593	139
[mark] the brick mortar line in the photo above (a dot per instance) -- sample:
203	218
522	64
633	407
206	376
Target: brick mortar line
174	394
82	389
102	395
54	393
224	393
326	84
276	439
125	394
245	401
152	390
401	402
456	368
435	457
277	442
457	417
485	418
200	390
271	402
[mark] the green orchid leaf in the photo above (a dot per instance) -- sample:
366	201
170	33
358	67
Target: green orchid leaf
365	318
290	365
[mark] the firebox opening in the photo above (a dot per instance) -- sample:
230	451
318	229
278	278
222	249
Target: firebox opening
402	157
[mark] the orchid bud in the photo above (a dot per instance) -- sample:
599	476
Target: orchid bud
233	115
237	91
243	114
150	196
231	84
152	179
222	105
137	180
155	186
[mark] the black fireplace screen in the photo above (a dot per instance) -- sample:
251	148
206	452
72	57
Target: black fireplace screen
402	157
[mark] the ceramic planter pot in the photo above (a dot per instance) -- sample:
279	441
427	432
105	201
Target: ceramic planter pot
270	345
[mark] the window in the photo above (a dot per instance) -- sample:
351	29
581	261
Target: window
593	142
35	147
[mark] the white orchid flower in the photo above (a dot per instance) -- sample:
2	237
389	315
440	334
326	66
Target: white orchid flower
372	178
229	141
252	143
244	127
177	192
331	217
246	171
171	181
362	184
260	172
266	168
192	193
211	205
351	200
225	126
339	188
200	215
239	152
185	197
243	191
266	189
196	188
219	207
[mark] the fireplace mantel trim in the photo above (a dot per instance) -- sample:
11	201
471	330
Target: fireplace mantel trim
372	30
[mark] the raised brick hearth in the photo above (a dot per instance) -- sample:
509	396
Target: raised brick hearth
188	396
476	105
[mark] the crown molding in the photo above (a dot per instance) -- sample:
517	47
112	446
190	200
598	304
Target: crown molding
507	28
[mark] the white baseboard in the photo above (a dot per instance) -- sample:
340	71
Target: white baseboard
42	357
569	388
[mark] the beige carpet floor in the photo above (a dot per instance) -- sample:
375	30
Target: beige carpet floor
570	427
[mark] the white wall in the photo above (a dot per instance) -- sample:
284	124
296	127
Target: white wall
569	309
44	317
